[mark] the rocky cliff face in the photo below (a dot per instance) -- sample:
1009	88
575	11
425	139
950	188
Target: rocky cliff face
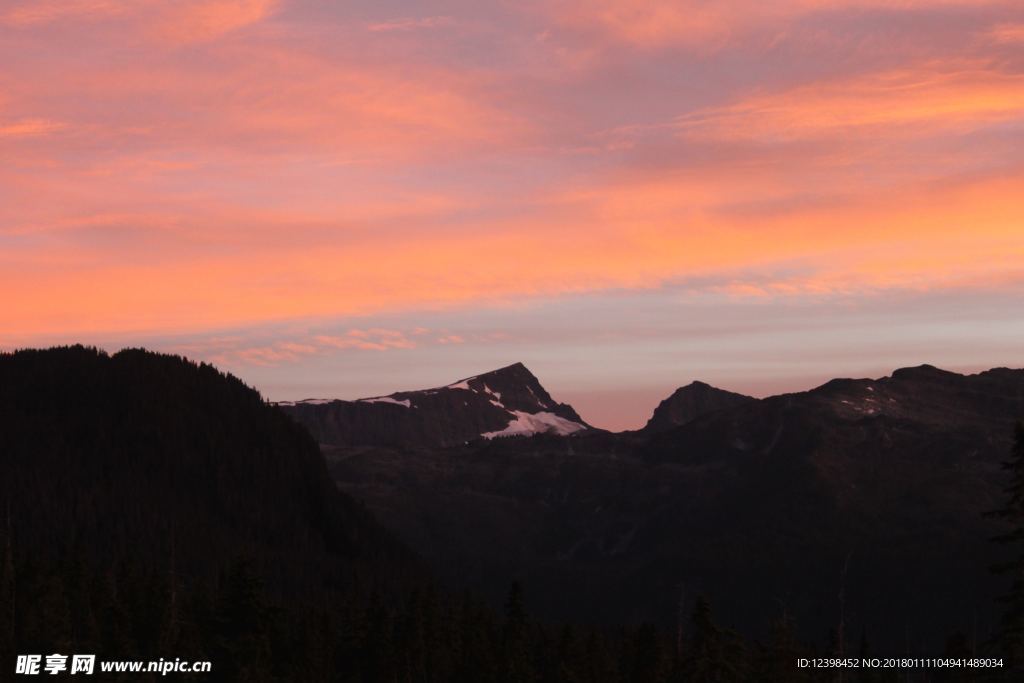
505	402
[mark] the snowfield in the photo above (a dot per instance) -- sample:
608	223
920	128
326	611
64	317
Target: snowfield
387	399
525	424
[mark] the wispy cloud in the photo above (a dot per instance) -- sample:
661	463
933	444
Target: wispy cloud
1008	33
185	21
29	128
920	99
712	26
367	340
200	20
411	24
32	12
235	351
289	347
282	352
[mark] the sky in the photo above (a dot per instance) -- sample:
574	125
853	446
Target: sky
348	199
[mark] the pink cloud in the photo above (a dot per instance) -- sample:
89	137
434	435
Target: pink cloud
920	99
29	128
368	340
283	352
201	20
709	26
1008	33
30	12
184	21
233	350
411	23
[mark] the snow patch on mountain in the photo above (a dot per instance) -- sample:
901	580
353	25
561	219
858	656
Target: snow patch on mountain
387	399
541	403
526	424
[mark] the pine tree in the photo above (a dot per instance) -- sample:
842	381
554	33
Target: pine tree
569	657
777	660
865	674
646	666
243	622
714	655
8	593
598	659
478	644
378	655
1011	628
515	638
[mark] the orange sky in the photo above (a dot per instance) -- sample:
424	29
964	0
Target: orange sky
277	173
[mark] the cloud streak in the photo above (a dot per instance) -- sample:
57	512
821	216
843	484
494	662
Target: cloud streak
29	128
926	99
182	22
411	24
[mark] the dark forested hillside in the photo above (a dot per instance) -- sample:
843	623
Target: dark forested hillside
146	457
154	507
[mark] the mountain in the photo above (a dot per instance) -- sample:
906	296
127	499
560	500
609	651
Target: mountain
505	402
151	505
873	488
968	412
690	402
883	482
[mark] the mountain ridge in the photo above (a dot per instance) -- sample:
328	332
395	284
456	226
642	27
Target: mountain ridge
684	404
891	472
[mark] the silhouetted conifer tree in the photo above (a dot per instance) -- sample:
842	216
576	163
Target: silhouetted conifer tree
714	655
777	660
243	624
479	645
515	639
1011	630
569	659
646	661
598	659
8	591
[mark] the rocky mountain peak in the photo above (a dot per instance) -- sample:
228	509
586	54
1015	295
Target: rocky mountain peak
509	401
925	373
515	388
690	402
